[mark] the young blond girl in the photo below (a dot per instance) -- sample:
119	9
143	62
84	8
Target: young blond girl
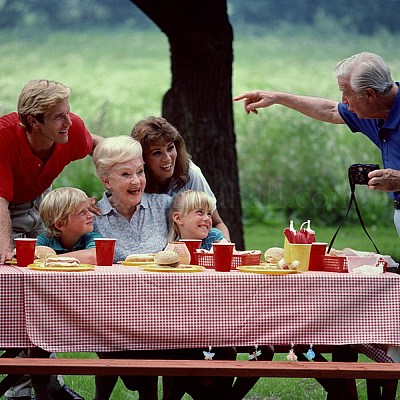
69	224
191	218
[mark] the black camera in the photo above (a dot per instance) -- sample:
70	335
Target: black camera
358	173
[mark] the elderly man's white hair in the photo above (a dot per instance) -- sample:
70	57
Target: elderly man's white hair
365	70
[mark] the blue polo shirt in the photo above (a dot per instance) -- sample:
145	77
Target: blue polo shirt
385	134
85	242
215	235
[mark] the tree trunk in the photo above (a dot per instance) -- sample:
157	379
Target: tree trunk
199	102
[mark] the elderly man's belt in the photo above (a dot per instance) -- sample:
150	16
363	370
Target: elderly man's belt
397	204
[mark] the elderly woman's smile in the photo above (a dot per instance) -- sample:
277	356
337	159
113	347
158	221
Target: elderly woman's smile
126	182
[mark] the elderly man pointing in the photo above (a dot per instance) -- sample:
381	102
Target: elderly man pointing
370	105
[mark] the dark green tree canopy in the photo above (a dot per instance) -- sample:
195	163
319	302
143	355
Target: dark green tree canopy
360	16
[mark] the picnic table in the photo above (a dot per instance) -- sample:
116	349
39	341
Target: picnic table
124	307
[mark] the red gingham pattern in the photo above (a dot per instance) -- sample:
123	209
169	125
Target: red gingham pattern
374	352
12	313
120	307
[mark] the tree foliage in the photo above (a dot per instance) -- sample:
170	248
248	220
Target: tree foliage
360	16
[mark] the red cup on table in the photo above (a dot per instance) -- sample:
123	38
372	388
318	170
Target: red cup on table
192	245
105	249
25	251
223	255
318	250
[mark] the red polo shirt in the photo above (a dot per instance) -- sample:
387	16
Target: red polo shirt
23	176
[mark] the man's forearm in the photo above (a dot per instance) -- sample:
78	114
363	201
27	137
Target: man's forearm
314	107
96	140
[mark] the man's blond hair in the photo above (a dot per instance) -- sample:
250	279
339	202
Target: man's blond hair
37	96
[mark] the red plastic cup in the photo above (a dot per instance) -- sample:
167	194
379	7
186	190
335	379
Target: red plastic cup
105	251
25	251
192	245
317	251
223	254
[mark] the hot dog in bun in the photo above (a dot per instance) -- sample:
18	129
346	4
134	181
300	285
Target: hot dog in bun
140	258
61	261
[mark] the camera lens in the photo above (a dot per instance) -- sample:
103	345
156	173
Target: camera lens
359	178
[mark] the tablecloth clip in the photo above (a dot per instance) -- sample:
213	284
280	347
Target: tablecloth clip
291	356
208	355
256	353
310	353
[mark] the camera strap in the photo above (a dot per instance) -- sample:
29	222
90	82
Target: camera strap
352	200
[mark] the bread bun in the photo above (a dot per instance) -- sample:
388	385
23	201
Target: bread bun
274	254
335	252
61	261
140	258
167	259
43	252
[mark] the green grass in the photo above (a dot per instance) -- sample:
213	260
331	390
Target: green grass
120	76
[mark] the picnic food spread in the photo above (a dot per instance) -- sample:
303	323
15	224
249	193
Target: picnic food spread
61	261
167	258
43	252
140	258
273	255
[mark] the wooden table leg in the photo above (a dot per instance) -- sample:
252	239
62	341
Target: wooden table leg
337	389
40	383
381	389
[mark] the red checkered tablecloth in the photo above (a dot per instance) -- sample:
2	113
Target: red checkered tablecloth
120	307
12	309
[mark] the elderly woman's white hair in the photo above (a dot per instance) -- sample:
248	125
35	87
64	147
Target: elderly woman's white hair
365	70
115	150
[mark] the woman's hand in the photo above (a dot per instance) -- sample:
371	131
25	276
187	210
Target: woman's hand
93	207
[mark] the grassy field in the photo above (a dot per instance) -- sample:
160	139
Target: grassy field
120	77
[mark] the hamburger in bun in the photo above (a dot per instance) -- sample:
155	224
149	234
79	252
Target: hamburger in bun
167	259
274	254
61	261
43	252
140	258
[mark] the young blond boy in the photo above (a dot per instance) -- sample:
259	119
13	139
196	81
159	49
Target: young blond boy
69	224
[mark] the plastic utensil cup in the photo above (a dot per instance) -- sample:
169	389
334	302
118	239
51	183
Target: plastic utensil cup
25	251
301	253
223	254
318	250
192	245
105	251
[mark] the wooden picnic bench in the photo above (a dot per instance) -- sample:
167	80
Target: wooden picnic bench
327	373
277	369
